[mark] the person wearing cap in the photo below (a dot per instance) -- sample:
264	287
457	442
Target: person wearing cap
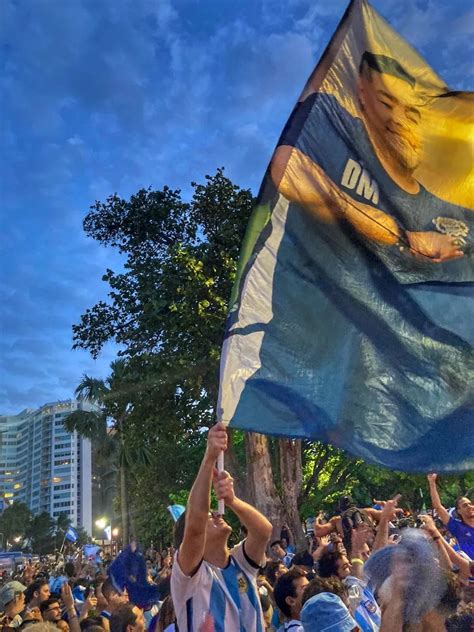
12	602
326	612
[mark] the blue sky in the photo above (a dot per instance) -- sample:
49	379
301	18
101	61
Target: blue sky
103	96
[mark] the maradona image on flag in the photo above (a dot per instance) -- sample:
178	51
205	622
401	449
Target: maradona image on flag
352	317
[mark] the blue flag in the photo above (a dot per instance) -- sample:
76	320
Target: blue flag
129	571
176	511
352	317
71	534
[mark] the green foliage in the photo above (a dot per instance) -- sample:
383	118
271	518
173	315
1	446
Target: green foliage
41	531
14	521
166	310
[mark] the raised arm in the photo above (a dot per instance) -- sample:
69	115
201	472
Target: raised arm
325	528
259	529
386	515
199	502
436	500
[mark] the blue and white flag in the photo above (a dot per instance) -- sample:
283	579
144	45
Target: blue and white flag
176	511
352	316
71	534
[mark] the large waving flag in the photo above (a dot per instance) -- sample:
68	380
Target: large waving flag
352	318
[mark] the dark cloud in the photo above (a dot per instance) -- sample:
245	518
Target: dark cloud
113	96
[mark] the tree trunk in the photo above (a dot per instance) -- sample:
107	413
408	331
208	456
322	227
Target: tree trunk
124	505
261	486
238	473
291	478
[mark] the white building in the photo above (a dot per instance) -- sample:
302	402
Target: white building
44	466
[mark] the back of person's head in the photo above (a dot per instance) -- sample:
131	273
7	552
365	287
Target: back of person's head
460	623
327	565
122	618
69	569
325	584
108	588
284	587
178	532
42	626
326	612
167	614
345	502
92	624
303	558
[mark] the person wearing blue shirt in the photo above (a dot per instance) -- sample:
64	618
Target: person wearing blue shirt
361	171
462	526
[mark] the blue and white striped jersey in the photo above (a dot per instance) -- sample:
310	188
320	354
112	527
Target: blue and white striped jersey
229	594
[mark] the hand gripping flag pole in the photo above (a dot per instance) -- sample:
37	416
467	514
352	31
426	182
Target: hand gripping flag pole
220	468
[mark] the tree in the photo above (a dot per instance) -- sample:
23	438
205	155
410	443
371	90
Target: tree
14	522
41	531
167	310
107	426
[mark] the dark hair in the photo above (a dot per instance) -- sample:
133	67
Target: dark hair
47	603
324	584
327	565
302	558
122	617
460	623
32	588
179	528
92	624
276	542
167	614
69	569
386	65
284	588
270	571
109	589
458	500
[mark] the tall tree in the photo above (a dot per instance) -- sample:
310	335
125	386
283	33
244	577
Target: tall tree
107	426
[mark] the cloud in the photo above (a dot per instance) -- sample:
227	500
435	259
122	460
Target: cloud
110	97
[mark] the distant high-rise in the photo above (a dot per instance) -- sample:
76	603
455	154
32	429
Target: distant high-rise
44	466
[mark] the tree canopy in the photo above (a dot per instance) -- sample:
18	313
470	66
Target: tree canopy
166	311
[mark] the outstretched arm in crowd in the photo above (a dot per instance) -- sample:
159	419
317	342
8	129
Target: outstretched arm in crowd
259	529
68	601
436	500
448	556
386	515
197	510
325	528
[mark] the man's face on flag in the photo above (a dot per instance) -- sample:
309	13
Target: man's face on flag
391	115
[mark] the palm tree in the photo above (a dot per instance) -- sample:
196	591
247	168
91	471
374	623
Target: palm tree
106	426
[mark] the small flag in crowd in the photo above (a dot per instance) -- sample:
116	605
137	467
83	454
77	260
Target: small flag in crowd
71	534
176	511
351	319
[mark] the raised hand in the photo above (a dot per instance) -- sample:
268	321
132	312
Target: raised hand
390	508
432	478
224	487
216	441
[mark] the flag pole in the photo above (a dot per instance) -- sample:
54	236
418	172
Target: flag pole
220	468
62	545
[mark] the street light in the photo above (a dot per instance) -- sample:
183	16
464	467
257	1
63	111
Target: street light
101	523
115	532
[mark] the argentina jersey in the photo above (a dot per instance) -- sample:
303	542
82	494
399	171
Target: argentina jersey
228	594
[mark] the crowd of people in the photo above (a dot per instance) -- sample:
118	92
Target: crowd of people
371	569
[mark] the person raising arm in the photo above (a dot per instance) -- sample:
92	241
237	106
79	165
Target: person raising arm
461	527
207	577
